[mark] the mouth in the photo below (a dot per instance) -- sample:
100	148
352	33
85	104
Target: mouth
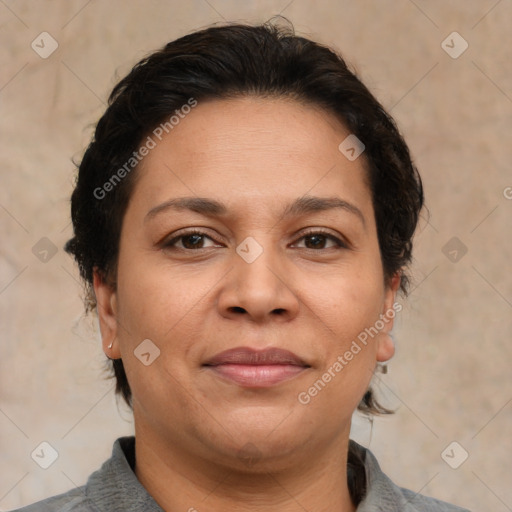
252	368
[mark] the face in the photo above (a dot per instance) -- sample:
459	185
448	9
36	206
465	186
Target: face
253	294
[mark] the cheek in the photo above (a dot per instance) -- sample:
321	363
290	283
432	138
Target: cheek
159	302
347	299
346	309
154	298
156	304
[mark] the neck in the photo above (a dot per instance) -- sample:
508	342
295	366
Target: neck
179	481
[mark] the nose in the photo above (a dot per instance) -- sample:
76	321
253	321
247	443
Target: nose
260	290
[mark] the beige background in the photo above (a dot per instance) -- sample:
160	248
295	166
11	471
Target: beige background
451	377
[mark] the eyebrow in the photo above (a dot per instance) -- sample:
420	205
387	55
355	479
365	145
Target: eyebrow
213	208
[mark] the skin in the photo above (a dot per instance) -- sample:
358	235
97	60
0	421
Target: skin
309	296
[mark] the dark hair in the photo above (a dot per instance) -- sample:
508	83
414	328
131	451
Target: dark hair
222	62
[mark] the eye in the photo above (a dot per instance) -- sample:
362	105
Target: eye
318	238
195	239
191	240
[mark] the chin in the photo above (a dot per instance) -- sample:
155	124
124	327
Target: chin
262	454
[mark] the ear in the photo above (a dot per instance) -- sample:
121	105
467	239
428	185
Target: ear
106	307
386	345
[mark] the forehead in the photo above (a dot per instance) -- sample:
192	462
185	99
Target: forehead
252	125
252	148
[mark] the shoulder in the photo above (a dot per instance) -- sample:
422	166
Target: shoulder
91	497
425	504
112	487
382	495
71	501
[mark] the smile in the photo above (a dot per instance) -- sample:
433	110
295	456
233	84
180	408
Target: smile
256	368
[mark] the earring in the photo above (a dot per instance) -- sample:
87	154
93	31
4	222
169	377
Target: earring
110	346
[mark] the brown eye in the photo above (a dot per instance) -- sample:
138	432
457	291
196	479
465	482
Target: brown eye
317	240
193	240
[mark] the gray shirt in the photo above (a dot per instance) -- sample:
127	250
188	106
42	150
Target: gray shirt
115	488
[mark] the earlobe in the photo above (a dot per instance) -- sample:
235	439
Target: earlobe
106	308
386	348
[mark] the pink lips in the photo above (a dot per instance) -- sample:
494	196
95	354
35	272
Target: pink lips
256	368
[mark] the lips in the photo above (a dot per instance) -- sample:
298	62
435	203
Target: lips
249	356
248	367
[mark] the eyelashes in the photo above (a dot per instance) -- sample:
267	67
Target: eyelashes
193	236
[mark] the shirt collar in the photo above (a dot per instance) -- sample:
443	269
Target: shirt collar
115	486
382	495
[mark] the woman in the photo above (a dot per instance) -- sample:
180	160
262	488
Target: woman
243	220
